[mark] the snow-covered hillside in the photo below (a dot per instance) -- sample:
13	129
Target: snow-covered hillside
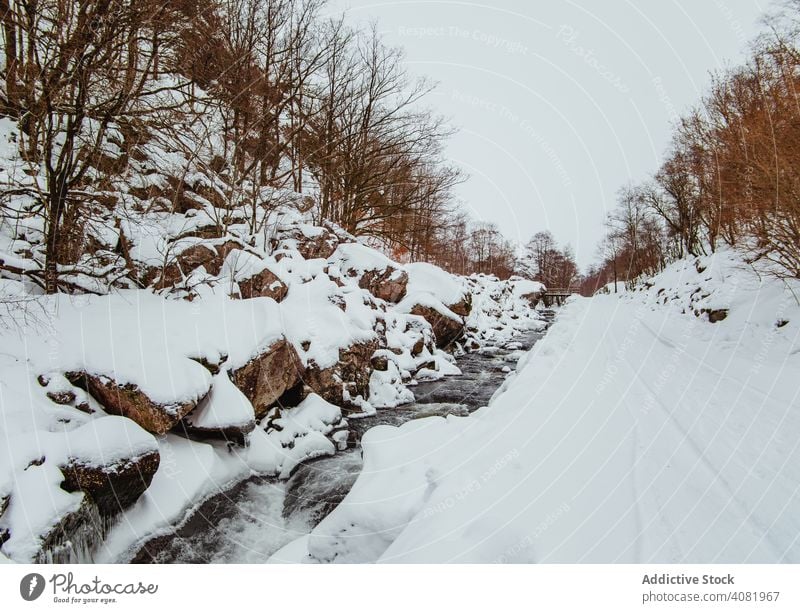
660	425
237	354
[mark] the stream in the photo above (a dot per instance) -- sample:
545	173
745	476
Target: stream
257	517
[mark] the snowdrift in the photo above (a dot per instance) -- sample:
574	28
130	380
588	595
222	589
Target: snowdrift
645	427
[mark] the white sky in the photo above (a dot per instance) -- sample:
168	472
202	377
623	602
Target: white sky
559	103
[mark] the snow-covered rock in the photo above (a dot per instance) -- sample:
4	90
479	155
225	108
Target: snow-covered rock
187	315
263	380
225	412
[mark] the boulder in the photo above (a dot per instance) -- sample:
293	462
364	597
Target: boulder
715	315
320	243
252	274
388	284
208	255
446	328
463	307
265	378
380	362
112	487
351	374
131	402
263	284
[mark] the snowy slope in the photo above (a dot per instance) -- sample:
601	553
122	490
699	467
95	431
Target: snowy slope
636	431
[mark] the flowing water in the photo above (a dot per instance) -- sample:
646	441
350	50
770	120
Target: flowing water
254	519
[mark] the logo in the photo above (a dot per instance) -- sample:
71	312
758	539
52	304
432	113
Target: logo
31	586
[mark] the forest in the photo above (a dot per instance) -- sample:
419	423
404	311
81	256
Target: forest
274	102
730	177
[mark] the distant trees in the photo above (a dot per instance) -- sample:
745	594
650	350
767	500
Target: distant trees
731	176
543	260
463	247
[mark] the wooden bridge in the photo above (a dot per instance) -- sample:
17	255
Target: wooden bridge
557	295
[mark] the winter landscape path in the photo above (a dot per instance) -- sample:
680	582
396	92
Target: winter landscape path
631	433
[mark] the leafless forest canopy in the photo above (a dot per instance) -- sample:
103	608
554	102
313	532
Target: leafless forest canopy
285	98
731	176
293	102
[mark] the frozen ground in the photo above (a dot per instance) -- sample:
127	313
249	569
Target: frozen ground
636	431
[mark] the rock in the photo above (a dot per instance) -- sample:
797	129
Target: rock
429	365
321	244
232	434
71	539
472	345
265	378
380	363
212	367
388	284
715	315
128	400
418	328
463	307
533	298
447	329
113	487
351	374
62	396
207	255
263	284
4	533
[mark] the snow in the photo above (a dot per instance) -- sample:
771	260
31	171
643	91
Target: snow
499	310
156	340
386	388
523	287
356	259
240	265
146	340
108	440
191	471
224	406
36	502
188	472
635	431
311	315
424	278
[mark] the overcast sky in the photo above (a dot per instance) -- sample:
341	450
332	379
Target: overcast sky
560	103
